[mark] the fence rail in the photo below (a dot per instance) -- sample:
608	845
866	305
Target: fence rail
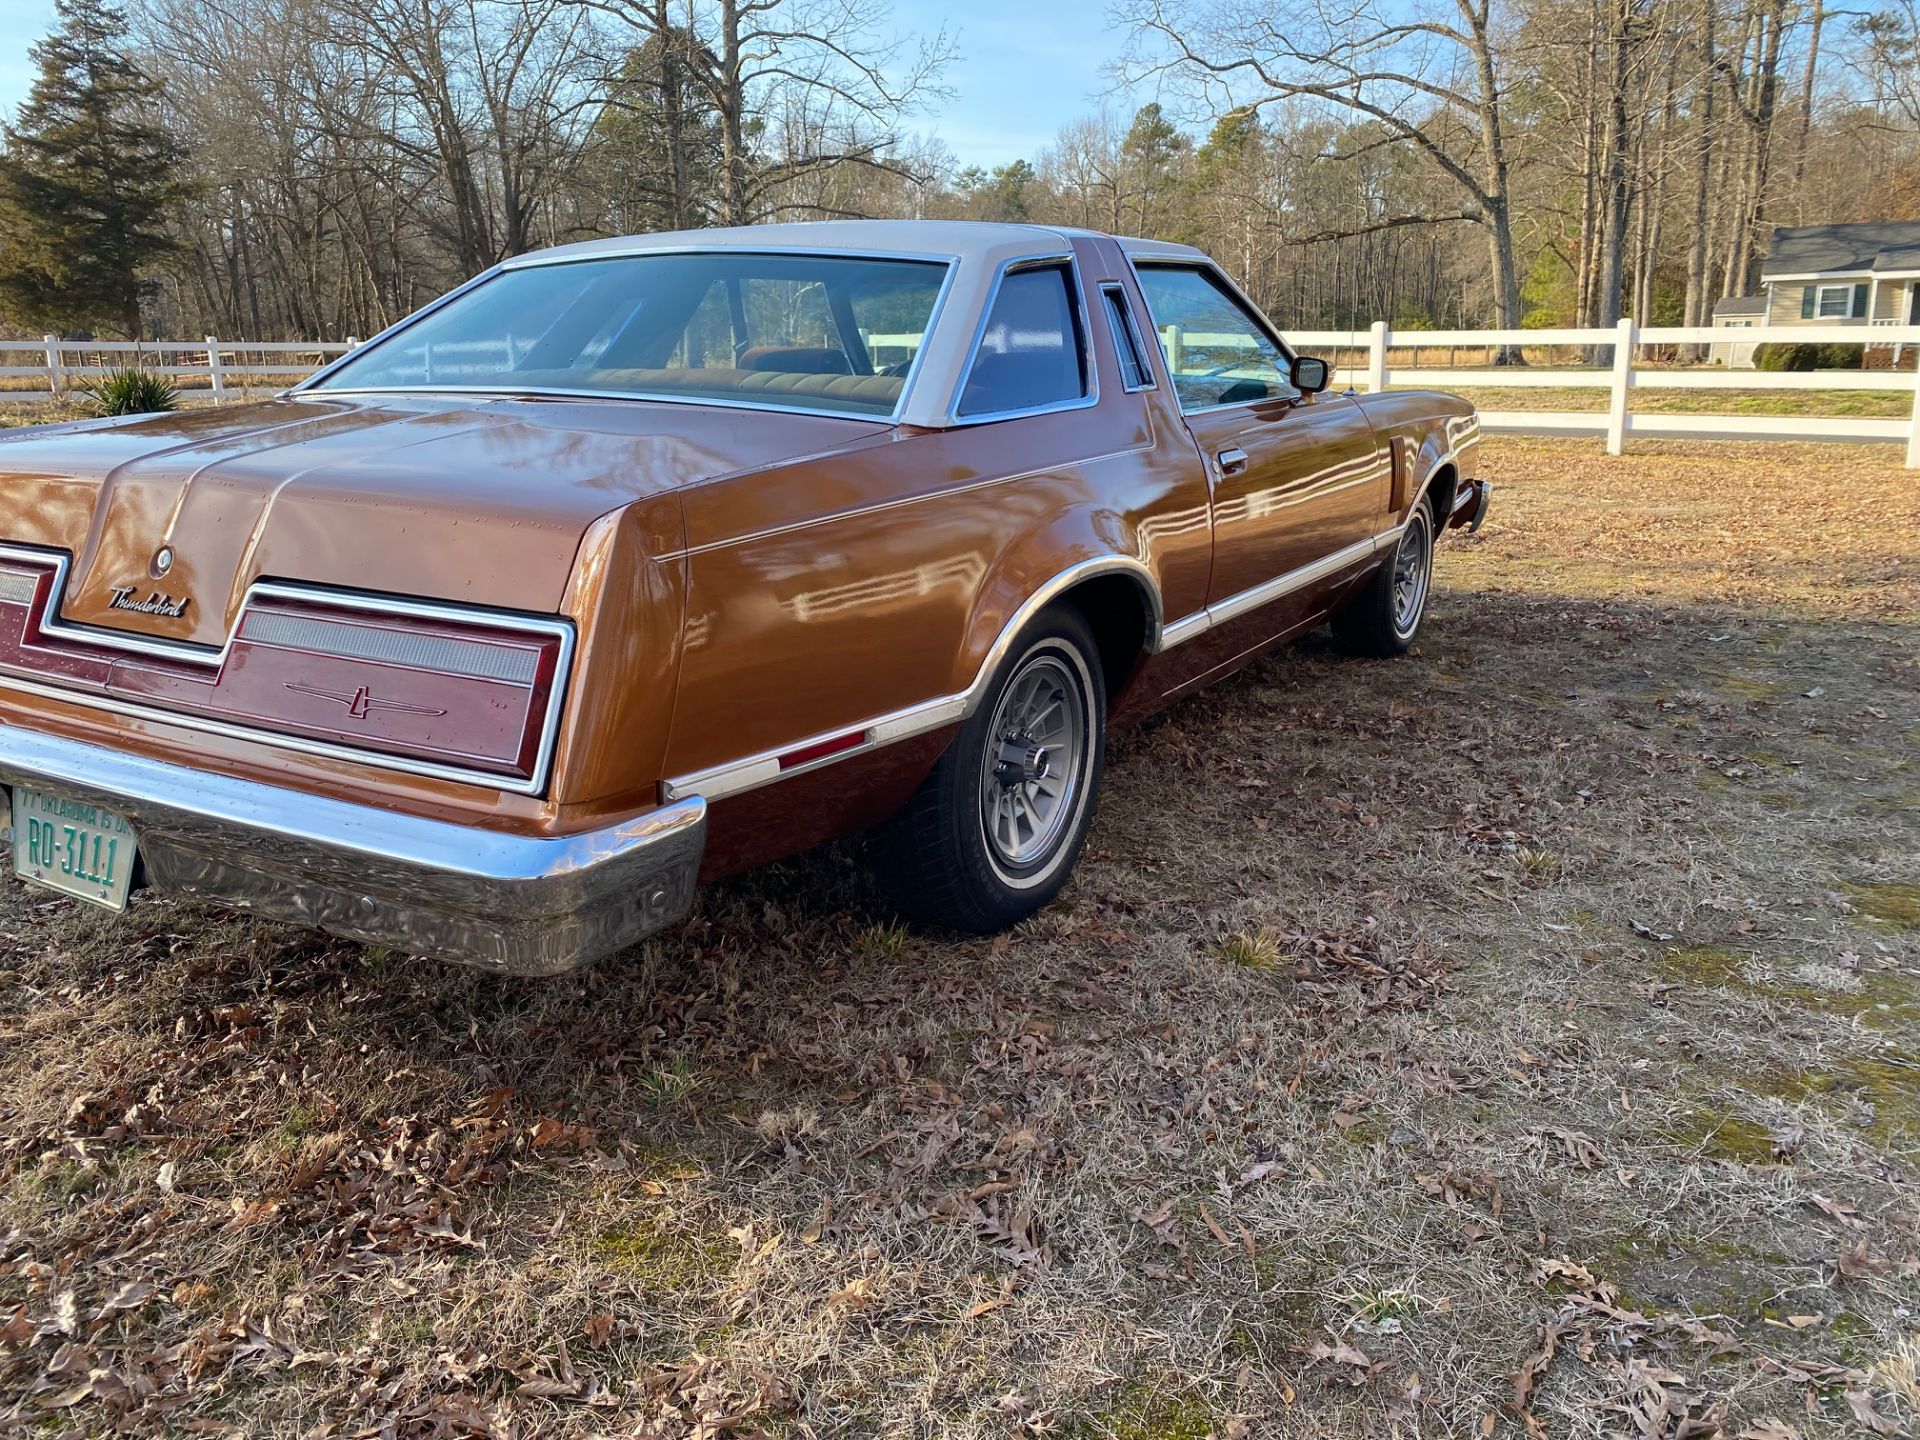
1615	366
1362	359
60	362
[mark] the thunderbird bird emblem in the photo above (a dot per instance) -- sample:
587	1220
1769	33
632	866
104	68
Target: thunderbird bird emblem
361	703
157	603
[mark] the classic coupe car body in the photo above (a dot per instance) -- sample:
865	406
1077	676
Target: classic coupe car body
638	562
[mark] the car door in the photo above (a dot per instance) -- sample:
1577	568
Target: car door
1297	480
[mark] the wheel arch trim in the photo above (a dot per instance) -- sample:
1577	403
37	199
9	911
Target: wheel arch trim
829	747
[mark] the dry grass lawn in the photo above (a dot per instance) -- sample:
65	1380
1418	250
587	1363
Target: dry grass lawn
1522	1038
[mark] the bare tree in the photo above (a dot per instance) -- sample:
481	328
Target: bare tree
1429	76
822	73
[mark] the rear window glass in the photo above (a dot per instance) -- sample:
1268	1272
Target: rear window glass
788	330
1031	353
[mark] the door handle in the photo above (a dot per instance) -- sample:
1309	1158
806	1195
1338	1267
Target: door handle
1231	462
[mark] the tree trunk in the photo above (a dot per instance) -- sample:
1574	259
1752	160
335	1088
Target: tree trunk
1615	197
1806	94
1697	285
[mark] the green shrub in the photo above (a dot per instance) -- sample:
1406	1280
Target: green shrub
1782	355
132	391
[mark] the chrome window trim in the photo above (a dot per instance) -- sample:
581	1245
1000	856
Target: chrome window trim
1235	293
1028	262
736	777
556	627
505	392
951	263
540	260
1116	293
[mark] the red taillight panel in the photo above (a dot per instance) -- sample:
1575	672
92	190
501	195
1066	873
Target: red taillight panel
410	684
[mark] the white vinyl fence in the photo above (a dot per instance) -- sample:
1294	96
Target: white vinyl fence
1362	360
59	365
1378	358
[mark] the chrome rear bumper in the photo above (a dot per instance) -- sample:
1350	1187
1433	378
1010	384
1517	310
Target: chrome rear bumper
526	905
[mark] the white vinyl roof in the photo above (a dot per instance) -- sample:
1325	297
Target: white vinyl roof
945	239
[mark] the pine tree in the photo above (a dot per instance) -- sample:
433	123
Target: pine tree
84	180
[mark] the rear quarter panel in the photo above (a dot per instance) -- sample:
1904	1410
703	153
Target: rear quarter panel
826	594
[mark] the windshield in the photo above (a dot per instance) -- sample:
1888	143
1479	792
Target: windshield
792	331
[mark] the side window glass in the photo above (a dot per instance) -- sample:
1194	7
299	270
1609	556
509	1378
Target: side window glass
1032	353
1215	351
1135	374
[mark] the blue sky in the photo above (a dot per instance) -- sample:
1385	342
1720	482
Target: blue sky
1027	67
21	23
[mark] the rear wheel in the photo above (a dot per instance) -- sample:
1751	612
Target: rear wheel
993	832
1384	618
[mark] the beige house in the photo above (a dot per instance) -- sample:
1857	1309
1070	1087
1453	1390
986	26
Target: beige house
1844	274
1866	275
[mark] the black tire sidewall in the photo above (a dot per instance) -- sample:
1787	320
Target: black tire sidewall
1422	511
1002	900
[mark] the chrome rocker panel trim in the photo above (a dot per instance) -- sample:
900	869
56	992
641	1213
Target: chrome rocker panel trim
1189	627
523	905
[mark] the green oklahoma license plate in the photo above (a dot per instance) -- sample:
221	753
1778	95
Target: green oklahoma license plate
71	846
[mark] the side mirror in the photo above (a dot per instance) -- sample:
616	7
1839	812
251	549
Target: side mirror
1310	374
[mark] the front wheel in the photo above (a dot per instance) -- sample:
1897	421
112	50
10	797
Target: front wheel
1384	617
993	832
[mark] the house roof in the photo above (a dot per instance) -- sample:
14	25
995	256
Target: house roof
1842	249
1741	305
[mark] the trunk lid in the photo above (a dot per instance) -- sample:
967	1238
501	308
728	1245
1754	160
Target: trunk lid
169	519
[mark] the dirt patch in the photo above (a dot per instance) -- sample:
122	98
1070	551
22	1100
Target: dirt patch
1523	1030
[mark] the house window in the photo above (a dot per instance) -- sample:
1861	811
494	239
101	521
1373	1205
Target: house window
1834	302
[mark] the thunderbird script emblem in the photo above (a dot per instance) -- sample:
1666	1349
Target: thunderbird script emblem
361	703
125	597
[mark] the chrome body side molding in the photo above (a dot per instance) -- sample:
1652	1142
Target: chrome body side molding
736	777
1189	627
813	752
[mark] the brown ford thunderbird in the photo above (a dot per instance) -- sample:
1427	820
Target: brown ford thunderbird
635	563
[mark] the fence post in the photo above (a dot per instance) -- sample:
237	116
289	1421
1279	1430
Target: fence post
1377	358
214	372
56	374
1913	429
1625	333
